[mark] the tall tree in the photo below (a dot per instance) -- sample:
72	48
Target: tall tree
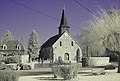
7	36
33	45
104	31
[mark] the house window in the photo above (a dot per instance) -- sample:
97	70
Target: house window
18	47
4	47
72	43
60	43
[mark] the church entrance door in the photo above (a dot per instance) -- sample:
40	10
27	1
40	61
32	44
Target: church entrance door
66	57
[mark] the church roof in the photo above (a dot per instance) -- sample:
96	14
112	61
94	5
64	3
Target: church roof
51	41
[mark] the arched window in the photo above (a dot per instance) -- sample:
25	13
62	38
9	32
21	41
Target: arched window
66	57
4	47
60	43
18	47
72	43
78	55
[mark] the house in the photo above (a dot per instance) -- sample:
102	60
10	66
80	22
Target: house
62	45
11	48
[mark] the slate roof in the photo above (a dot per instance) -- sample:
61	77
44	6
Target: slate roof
12	45
51	41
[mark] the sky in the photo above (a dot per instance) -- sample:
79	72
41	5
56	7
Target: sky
21	20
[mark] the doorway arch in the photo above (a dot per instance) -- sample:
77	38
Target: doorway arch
66	57
78	55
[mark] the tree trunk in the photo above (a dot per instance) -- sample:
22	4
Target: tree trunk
86	50
119	63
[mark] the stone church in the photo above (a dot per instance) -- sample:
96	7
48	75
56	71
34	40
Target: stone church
61	44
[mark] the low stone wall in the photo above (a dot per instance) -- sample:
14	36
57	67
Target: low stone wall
95	61
98	61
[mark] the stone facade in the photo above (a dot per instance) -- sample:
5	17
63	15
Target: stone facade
67	48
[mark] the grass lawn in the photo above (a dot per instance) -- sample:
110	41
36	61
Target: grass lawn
84	75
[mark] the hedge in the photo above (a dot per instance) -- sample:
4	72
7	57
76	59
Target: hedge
8	76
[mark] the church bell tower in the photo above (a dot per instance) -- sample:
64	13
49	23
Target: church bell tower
63	24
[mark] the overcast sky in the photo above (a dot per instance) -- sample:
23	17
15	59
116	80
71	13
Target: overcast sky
21	20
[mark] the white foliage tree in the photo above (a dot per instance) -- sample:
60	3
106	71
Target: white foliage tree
104	31
7	36
33	45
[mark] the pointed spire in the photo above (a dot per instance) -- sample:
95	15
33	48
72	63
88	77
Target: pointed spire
63	24
63	19
64	7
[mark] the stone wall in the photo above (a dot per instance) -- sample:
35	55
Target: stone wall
98	61
95	61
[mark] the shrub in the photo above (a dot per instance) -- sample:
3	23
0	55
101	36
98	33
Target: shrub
110	67
25	67
1	59
65	71
12	59
8	67
60	61
8	76
2	66
11	67
98	71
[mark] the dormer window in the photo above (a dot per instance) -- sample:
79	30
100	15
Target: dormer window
18	47
4	47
